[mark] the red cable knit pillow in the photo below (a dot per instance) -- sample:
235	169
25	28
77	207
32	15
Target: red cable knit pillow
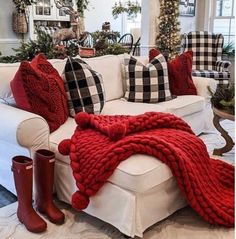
180	73
40	93
41	64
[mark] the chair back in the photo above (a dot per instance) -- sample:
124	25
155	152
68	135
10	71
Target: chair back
49	30
127	41
206	47
87	40
111	38
136	50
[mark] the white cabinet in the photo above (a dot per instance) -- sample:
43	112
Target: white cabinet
47	10
45	13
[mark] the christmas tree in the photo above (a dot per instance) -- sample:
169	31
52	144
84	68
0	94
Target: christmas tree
168	39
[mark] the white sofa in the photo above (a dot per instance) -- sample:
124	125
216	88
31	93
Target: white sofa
142	190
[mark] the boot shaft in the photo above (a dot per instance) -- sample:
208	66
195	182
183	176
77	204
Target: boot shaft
44	162
22	168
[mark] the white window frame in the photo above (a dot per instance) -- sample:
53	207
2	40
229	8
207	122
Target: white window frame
213	17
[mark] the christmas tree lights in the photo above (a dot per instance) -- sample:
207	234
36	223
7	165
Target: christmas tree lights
168	38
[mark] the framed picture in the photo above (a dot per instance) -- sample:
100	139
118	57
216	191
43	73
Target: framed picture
187	8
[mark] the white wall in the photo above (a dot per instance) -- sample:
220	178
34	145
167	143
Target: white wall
100	11
187	24
8	39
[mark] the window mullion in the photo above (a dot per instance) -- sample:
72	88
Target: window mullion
232	12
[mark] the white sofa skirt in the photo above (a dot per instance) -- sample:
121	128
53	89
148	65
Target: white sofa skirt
131	212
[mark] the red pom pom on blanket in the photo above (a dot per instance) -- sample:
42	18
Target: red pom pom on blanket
117	131
64	147
83	120
79	201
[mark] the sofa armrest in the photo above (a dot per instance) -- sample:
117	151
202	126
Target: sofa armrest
222	65
202	84
23	128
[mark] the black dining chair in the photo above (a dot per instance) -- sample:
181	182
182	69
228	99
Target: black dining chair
111	38
127	41
86	40
136	50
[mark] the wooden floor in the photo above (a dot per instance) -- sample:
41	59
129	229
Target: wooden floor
6	197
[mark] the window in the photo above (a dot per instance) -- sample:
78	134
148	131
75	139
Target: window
223	19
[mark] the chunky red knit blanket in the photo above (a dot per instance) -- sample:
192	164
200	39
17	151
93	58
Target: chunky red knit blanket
101	142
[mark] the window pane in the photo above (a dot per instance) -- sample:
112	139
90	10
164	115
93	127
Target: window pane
226	40
234	10
224	7
47	8
232	39
221	26
232	28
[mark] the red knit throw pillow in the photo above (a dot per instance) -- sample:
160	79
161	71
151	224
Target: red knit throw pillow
180	73
39	93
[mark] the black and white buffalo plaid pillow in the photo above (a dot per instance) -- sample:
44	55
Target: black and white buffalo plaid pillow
147	84
84	87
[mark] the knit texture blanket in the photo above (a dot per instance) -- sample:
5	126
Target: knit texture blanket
101	142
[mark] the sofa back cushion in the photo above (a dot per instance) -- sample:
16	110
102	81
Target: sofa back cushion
58	64
40	93
111	70
7	73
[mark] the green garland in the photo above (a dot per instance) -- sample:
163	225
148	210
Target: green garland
43	44
22	5
82	5
131	8
103	47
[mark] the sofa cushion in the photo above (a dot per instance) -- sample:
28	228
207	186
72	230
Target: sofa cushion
147	83
123	107
84	87
58	64
39	93
7	73
110	68
180	106
138	173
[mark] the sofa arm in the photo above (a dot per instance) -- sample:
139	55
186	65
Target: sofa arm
23	128
222	66
202	84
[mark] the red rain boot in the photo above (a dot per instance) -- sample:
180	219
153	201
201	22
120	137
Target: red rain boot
22	168
44	161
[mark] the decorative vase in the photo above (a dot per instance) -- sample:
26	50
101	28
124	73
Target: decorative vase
19	22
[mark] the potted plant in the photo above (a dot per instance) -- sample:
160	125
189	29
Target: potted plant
228	51
82	5
118	9
131	8
224	98
19	19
